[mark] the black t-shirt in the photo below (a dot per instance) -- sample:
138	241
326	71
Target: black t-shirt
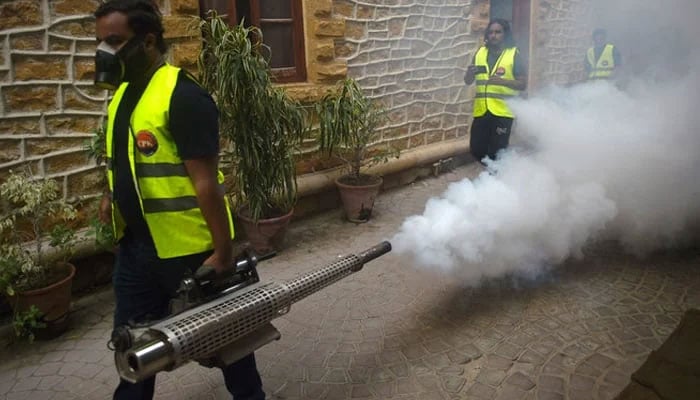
193	123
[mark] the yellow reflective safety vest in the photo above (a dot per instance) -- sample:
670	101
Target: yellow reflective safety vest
165	191
604	66
491	97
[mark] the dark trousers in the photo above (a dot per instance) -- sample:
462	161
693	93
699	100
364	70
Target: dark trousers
489	135
143	287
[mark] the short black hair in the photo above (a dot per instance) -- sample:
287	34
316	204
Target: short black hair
143	15
508	40
599	32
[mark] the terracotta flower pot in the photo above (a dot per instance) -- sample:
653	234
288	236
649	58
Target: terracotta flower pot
53	301
267	235
358	200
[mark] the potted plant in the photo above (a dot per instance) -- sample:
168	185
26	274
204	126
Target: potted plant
348	122
260	125
37	287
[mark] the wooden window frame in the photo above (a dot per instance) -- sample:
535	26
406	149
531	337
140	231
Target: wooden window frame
297	73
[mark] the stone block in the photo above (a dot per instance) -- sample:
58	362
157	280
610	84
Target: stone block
65	162
179	27
20	126
27	41
83	69
396	27
69	124
86	182
325	51
85	47
186	54
364	11
345	49
40	67
344	8
24	13
11	150
61	44
45	145
319	8
332	72
355	30
478	26
30	98
80	29
416	140
332	28
83	99
435	136
73	7
184	7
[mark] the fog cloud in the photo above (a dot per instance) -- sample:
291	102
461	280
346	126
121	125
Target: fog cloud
603	159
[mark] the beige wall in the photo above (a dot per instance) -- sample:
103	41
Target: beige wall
48	104
561	32
409	55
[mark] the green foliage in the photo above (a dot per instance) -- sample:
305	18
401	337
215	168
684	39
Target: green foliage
348	122
96	146
103	234
261	126
28	206
25	323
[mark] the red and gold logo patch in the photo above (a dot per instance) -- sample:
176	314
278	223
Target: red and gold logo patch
146	143
500	71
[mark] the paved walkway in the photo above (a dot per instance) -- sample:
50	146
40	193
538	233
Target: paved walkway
392	332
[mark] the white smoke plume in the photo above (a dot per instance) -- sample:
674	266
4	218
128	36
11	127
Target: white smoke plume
601	161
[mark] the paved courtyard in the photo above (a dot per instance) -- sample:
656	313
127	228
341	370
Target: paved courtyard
393	332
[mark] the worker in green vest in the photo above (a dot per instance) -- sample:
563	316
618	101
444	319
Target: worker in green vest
500	74
603	59
165	200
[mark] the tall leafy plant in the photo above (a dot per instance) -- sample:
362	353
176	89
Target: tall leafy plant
261	125
348	123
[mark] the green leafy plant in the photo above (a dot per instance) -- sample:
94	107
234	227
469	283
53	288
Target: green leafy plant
96	151
260	124
348	128
96	146
26	322
29	206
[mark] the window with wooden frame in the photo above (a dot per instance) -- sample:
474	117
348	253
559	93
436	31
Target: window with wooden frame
282	27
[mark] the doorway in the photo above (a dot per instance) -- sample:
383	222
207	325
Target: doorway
518	13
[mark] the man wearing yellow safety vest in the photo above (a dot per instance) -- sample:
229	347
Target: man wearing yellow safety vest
603	58
165	200
500	75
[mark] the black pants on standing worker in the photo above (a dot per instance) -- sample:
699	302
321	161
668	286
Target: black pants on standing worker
144	285
489	135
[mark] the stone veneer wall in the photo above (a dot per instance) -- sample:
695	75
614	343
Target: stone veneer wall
48	104
561	35
412	56
409	55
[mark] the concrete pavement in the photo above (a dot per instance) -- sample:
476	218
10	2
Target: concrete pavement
393	332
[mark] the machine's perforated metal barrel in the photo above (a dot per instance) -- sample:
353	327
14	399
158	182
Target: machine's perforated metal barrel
201	331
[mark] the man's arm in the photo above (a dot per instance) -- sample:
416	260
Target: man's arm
471	72
210	197
194	126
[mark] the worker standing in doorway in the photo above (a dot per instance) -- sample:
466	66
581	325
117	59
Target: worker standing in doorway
500	74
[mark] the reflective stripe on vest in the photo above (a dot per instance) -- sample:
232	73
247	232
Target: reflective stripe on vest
493	97
603	68
165	192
